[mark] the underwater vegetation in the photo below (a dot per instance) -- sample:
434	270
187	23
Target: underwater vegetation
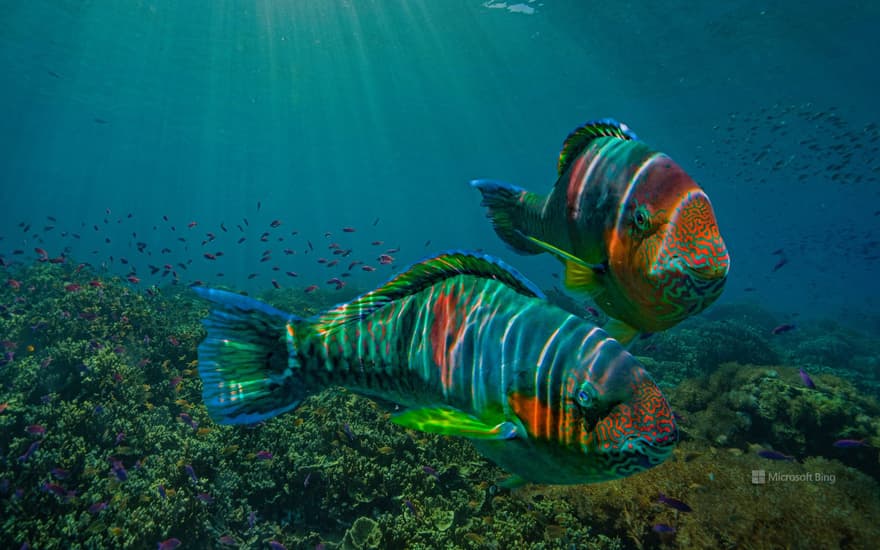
104	442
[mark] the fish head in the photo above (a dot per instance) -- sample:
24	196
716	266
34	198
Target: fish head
666	250
607	419
624	423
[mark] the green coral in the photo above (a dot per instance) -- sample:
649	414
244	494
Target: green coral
109	360
738	405
364	534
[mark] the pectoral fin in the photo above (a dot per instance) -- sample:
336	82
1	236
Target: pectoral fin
579	275
449	421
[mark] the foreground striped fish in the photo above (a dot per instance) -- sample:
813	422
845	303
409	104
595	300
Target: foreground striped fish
471	348
632	228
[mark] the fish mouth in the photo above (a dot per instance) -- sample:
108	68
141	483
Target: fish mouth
709	271
692	243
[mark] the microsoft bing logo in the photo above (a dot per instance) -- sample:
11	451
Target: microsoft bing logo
759	477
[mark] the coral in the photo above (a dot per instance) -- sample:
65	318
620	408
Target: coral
364	534
817	504
112	376
697	347
742	404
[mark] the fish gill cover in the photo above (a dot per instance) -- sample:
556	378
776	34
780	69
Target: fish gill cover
304	152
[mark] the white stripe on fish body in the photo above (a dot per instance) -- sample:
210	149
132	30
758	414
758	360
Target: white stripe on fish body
503	339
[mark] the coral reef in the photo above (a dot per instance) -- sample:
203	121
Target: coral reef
738	405
104	442
817	504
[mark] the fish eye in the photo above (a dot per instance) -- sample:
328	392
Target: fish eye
641	218
585	396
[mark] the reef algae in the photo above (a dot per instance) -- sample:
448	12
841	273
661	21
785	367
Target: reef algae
817	504
738	405
129	456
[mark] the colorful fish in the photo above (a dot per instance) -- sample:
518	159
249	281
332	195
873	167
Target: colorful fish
471	348
632	228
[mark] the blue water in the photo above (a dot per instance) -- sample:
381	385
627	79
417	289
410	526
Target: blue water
338	113
357	122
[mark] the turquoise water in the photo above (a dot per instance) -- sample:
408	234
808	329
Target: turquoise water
373	116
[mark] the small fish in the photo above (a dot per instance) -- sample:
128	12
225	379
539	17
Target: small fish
348	229
291	273
72	287
445	324
35	429
782	261
346	429
4	406
805	378
275	545
54	488
118	469
770	454
97	507
629	224
275	284
169	544
848	443
311	288
385	259
786	327
59	473
227	540
674	503
205	497
264	455
133	279
377	243
275	223
662	528
191	473
431	472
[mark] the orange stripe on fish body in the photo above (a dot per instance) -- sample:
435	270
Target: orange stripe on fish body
543	421
446	331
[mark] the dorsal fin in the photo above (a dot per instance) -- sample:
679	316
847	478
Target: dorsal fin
581	137
423	274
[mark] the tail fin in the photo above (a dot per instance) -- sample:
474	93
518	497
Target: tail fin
507	209
247	361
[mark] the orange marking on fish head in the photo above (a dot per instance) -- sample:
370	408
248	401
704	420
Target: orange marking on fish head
531	412
666	251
